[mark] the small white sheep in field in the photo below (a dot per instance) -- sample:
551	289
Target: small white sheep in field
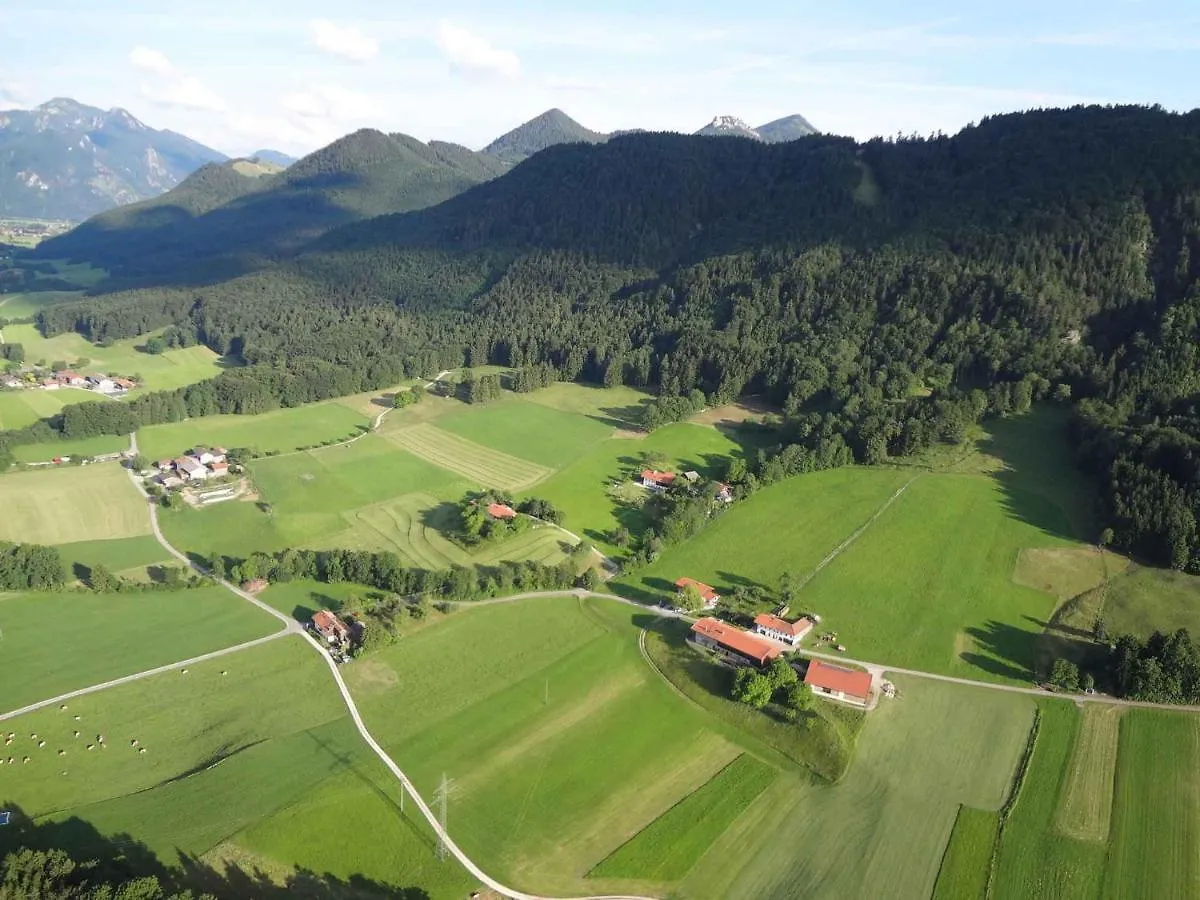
90	746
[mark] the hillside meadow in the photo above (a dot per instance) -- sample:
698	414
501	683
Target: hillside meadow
21	408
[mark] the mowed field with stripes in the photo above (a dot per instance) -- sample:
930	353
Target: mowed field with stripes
397	488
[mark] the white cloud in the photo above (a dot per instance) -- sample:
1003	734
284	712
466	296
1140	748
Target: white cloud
329	102
148	60
474	54
13	94
186	92
343	40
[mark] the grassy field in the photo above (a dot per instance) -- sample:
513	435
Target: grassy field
1156	816
667	848
1035	859
531	431
882	830
964	871
1145	600
476	462
58	642
1086	806
71	503
164	371
26	305
617	407
553	695
83	448
280	431
789	526
126	556
262	777
23	407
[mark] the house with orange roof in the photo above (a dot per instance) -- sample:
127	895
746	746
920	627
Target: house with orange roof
501	511
781	629
839	683
330	627
741	645
707	593
656	481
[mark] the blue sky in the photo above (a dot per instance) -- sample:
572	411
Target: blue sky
295	75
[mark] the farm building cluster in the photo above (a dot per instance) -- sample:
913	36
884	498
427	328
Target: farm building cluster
35	377
197	465
334	631
769	640
658	482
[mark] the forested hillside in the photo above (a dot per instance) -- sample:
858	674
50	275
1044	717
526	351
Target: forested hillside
229	219
885	294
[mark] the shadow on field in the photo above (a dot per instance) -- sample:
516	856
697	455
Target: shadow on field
650	591
1011	649
109	859
1041	484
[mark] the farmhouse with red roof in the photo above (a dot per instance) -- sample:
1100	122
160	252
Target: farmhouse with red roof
839	683
330	627
782	629
501	511
716	635
657	481
707	594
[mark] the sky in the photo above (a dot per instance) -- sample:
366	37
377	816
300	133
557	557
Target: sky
295	75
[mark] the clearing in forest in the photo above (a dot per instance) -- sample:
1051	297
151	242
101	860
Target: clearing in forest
70	503
479	463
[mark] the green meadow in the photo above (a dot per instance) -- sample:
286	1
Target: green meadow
98	637
279	431
29	304
21	408
77	449
64	504
129	556
264	777
1145	600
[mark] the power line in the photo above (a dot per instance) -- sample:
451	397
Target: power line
441	797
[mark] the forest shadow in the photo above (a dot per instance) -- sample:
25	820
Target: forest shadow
1011	650
1040	483
387	401
119	857
627	418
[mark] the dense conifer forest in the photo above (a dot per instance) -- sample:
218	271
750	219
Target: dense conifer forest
886	294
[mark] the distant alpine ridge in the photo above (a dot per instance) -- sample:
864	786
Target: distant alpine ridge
65	160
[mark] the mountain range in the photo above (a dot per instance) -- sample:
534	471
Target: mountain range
65	160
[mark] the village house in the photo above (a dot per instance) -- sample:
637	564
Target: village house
11	381
781	629
50	384
656	481
743	646
102	384
201	455
501	511
67	378
330	627
125	384
219	469
190	470
839	683
707	594
724	493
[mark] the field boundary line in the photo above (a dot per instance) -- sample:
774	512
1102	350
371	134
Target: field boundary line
836	551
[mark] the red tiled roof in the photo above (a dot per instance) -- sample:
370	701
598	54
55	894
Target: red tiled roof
327	621
783	626
837	678
707	594
735	639
660	478
501	511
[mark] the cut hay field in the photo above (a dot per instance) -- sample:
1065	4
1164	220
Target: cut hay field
161	372
882	830
21	408
552	694
790	526
70	503
263	777
82	448
279	431
964	871
125	556
476	462
415	526
53	643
